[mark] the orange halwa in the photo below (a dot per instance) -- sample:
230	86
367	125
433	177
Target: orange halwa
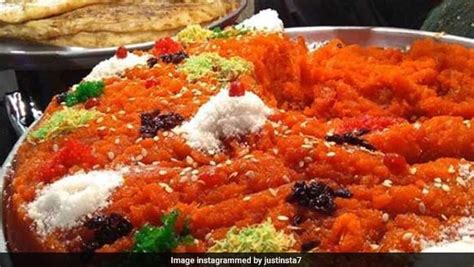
417	106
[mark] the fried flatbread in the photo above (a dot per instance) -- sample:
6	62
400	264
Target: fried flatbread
123	17
16	11
108	39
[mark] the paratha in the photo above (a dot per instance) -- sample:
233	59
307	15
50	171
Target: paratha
125	17
17	11
108	39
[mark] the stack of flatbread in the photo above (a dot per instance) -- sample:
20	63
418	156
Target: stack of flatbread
104	23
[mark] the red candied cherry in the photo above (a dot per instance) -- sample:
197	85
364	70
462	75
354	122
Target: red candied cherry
166	46
151	83
121	52
236	89
395	162
91	102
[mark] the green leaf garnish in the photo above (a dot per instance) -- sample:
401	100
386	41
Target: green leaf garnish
162	239
84	91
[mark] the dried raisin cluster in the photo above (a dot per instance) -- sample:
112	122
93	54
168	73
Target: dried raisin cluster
317	196
175	58
107	229
152	122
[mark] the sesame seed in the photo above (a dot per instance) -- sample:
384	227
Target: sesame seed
228	162
129	126
331	154
286	178
301	164
451	169
110	155
247	198
166	187
282	218
385	217
387	183
189	160
194	178
212	163
425	191
308	159
117	141
194	172
417	125
55	147
139	158
445	188
99	120
144	152
165	134
275	151
444	217
461	181
422	207
374	246
250	174
407	236
467	123
156	138
101	128
273	192
162	172
438	180
413	170
122	112
114	118
437	185
139	139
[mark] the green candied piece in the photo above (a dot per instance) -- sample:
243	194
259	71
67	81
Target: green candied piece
193	33
84	91
255	238
218	33
161	239
203	64
62	121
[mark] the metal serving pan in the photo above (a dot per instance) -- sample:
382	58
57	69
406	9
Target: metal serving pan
386	37
22	55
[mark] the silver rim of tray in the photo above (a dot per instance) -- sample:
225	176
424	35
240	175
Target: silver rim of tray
379	36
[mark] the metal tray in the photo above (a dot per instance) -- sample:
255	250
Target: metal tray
386	37
22	55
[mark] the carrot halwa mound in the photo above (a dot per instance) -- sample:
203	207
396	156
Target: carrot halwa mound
413	107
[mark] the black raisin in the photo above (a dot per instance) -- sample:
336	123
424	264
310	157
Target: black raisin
344	193
351	138
175	58
151	62
107	229
95	222
152	122
307	246
60	98
316	196
296	220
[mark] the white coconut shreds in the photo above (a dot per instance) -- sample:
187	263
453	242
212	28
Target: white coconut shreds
266	20
463	240
224	116
115	66
64	203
